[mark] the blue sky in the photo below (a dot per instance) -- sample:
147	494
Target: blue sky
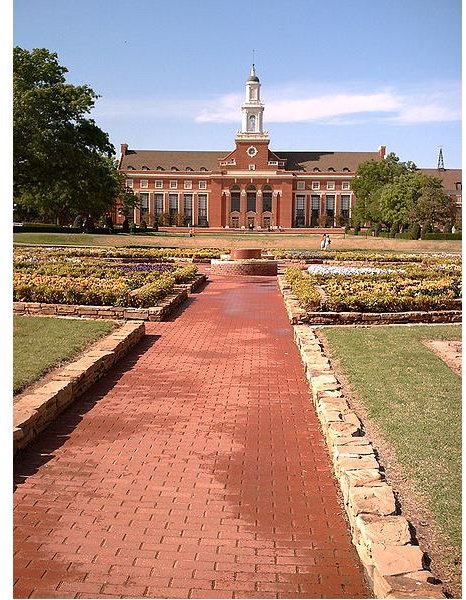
339	75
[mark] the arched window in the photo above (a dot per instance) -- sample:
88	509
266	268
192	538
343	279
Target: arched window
251	195
188	169
316	170
235	195
252	123
203	169
331	170
159	168
266	198
130	168
346	170
144	168
174	168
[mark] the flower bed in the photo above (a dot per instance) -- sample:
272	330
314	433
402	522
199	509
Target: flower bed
35	254
359	256
380	290
51	278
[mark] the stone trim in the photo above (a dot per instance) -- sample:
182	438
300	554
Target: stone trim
258	267
153	313
394	564
298	315
34	411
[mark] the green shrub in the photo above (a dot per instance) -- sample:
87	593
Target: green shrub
415	231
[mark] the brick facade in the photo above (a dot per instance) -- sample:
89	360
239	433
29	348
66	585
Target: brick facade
248	187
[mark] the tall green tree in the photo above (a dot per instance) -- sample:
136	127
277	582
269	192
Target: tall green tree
414	197
368	181
63	162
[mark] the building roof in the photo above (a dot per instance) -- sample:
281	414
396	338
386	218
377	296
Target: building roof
183	160
449	177
197	160
311	162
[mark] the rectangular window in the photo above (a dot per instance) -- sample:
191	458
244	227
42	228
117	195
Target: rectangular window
299	210
300	185
173	184
266	201
252	167
315	202
345	185
235	201
188	185
316	185
143	183
129	183
458	185
330	185
144	201
188	206
158	183
158	202
345	202
329	203
202	210
203	185
172	203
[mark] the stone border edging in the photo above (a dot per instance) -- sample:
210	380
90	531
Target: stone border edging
34	411
394	564
298	315
153	313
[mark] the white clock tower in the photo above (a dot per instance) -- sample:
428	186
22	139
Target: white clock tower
252	126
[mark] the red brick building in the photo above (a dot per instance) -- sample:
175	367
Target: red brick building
248	187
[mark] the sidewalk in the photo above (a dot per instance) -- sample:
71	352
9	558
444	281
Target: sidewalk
195	469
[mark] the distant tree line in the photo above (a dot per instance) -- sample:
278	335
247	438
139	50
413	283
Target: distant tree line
396	195
64	164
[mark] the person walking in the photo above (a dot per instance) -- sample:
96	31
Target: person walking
323	239
327	242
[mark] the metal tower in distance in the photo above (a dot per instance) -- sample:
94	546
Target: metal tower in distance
440	165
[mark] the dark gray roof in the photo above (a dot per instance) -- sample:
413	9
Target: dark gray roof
307	162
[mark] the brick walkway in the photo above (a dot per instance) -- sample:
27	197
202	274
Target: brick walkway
196	469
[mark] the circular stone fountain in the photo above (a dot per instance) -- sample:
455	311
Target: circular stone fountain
243	261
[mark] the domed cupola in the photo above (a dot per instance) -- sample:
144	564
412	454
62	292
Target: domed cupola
252	109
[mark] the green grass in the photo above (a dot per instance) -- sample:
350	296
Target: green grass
227	239
42	343
415	400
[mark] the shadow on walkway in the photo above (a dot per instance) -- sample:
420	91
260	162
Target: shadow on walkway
28	460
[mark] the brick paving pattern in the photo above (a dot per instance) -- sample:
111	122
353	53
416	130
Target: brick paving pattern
195	469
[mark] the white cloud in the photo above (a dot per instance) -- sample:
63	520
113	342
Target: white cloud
291	106
303	103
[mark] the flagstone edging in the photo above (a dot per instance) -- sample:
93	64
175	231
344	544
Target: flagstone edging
34	411
395	565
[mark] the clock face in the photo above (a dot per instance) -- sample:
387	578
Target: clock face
252	151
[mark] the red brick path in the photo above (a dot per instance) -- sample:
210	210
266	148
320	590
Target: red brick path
196	469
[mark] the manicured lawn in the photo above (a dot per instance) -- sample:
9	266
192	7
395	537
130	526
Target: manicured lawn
415	400
295	241
41	343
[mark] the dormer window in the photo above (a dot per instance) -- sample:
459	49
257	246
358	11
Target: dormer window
144	168
202	169
174	168
188	169
316	170
346	170
159	168
130	168
331	170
